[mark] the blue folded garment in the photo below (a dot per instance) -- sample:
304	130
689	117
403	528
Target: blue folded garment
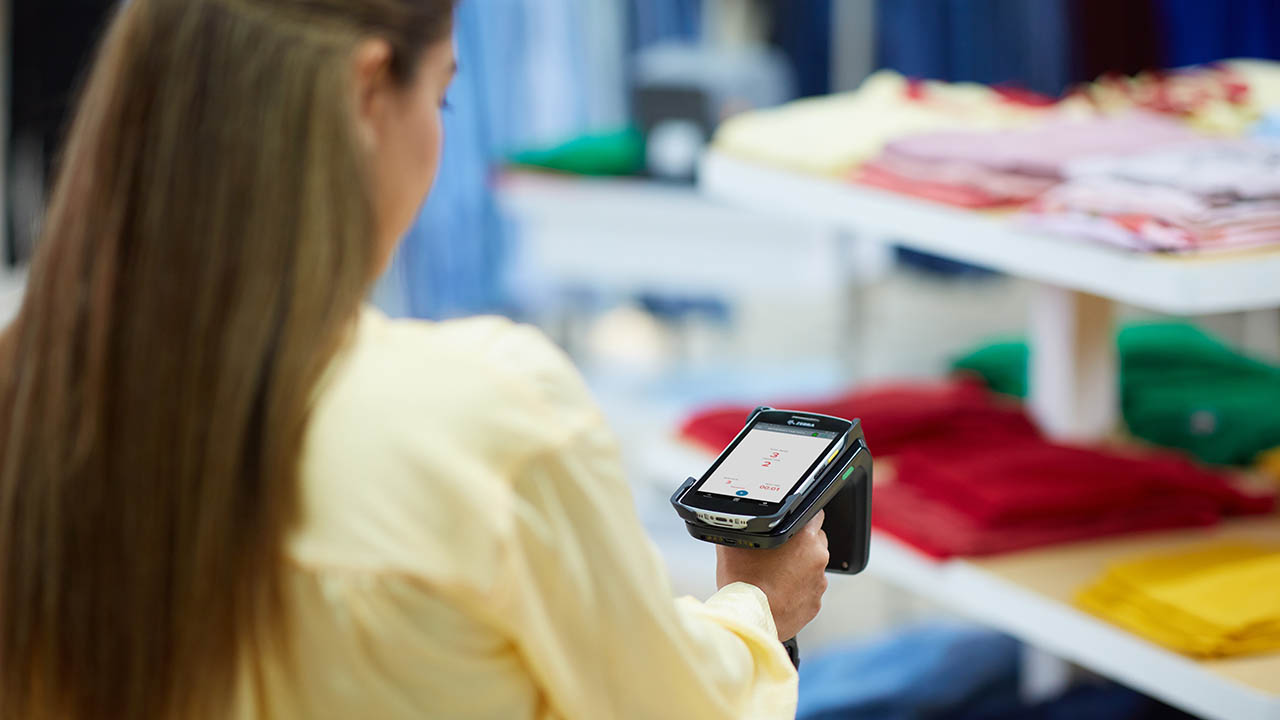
937	670
950	672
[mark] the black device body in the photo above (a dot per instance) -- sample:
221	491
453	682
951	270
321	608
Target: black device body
843	491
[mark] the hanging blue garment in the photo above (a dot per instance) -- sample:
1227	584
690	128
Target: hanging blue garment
1048	38
802	29
974	43
603	25
914	37
497	49
453	260
554	74
930	671
532	75
1020	44
659	21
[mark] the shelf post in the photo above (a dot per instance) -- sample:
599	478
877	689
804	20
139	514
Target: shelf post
1074	372
1260	333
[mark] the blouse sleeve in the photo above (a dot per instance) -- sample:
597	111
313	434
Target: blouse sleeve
585	596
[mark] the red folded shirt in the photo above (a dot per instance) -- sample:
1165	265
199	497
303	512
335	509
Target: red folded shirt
975	477
935	417
996	483
942	531
940	192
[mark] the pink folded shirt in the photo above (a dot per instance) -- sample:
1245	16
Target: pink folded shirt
1044	150
1217	169
955	183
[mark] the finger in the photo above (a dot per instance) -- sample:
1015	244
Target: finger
815	524
822	539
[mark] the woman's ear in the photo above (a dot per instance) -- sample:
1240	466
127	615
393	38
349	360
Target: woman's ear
373	84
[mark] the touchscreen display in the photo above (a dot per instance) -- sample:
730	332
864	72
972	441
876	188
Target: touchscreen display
768	462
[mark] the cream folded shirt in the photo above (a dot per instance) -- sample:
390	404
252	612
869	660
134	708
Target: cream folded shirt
469	548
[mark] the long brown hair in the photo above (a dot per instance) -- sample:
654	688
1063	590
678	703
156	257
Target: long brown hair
208	243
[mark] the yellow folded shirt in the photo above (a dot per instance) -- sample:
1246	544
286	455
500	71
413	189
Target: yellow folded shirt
1211	602
832	135
1268	463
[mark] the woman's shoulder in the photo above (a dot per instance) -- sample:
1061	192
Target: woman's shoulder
417	428
483	365
494	388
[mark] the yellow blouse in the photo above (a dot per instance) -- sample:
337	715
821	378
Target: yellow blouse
470	549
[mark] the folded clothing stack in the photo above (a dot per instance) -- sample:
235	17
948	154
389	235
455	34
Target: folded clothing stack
1000	497
1213	601
990	169
1213	195
975	477
1225	98
835	135
831	135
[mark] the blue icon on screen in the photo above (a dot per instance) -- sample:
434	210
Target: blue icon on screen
741	493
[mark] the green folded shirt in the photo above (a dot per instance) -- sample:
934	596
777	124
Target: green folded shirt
602	154
1179	387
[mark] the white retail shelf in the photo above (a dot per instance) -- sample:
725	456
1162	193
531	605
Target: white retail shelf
1200	285
639	235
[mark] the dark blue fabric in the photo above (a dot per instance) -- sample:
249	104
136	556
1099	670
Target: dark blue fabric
926	672
1047	45
1021	44
1198	32
1047	33
914	37
1094	702
802	29
658	21
950	672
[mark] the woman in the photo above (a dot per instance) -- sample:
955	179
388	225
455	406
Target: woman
226	490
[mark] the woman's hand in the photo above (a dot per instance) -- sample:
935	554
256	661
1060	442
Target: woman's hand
793	576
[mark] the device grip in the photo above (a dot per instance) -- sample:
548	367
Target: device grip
848	521
793	651
846	502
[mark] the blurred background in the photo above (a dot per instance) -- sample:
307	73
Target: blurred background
717	204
